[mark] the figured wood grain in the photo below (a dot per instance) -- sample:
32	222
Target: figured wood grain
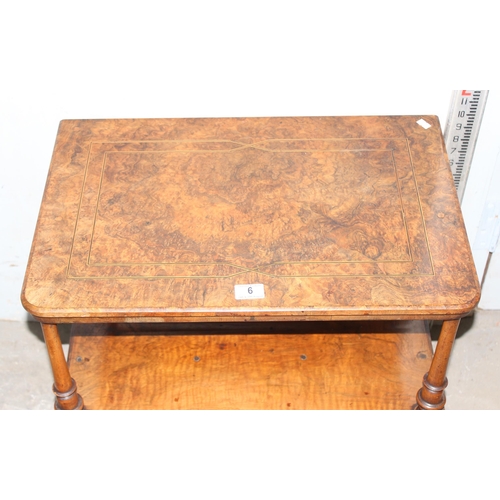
201	209
336	216
285	365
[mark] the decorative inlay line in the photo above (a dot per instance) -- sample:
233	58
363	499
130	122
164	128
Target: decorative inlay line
420	204
258	269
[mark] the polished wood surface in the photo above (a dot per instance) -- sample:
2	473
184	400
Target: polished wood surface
431	396
64	385
334	218
300	365
158	220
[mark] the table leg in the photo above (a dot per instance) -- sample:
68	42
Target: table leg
431	395
64	386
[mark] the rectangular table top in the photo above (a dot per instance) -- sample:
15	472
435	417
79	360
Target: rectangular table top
319	217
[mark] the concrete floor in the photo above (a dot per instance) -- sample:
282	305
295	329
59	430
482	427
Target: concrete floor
473	373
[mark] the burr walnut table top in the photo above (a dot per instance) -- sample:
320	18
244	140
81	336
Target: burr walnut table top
337	218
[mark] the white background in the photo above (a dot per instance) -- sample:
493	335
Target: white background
482	191
110	59
64	60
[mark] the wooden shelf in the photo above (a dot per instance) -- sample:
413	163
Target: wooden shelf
282	365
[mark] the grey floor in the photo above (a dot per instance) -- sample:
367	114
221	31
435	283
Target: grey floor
473	373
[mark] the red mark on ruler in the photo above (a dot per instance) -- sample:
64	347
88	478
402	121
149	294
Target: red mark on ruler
464	92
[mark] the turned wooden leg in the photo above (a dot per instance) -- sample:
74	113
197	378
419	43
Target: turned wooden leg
64	386
431	395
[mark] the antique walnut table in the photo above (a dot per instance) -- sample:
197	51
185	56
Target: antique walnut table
250	263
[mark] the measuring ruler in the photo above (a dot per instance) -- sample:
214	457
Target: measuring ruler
460	134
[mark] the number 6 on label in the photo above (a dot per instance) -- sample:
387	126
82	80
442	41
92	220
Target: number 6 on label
253	291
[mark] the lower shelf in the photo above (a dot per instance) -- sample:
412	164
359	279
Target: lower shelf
300	365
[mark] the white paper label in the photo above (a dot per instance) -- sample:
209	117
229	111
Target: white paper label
424	124
254	291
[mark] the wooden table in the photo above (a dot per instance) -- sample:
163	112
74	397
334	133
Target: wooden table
250	263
